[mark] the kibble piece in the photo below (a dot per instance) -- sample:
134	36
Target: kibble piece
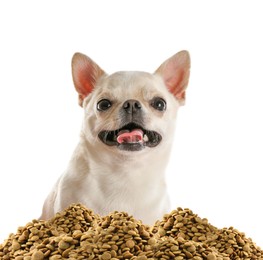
127	254
34	238
113	253
143	257
68	239
131	232
229	251
191	248
106	256
130	243
152	241
55	257
19	258
246	248
38	255
211	256
63	245
178	258
15	245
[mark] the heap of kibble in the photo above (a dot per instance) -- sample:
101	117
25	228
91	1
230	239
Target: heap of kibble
77	233
227	243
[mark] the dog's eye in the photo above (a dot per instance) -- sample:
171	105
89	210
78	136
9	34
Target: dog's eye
103	105
159	104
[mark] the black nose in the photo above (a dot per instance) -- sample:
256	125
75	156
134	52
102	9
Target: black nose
131	106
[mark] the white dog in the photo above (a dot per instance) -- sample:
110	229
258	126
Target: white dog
126	137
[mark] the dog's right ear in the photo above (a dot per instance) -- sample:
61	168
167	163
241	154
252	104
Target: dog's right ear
175	72
85	73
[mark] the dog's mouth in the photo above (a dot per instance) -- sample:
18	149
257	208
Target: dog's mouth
131	137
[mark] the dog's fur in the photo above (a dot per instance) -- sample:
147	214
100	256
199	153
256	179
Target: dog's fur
108	176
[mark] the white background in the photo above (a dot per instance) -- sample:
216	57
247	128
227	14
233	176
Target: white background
216	166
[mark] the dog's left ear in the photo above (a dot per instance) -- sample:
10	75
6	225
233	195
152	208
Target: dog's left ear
85	74
175	72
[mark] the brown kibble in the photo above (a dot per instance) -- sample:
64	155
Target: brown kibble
127	254
19	258
191	249
197	258
77	233
152	241
211	256
133	233
34	238
37	255
246	248
130	243
229	251
15	245
179	258
113	253
47	253
162	232
115	238
55	257
67	239
66	252
106	256
179	225
143	257
34	231
174	248
63	245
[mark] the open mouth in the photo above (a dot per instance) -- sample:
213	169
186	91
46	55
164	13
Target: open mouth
131	137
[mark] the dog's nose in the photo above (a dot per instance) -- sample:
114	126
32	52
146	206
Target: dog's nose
131	106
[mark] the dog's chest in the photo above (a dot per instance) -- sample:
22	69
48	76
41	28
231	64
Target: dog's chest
121	191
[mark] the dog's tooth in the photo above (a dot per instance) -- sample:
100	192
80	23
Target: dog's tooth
145	138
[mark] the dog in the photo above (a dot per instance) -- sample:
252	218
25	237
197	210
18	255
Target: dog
125	141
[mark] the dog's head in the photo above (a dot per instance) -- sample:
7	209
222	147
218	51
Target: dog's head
130	111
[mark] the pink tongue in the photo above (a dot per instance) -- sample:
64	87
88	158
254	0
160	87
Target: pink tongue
135	136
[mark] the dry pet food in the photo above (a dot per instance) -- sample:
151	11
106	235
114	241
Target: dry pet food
77	233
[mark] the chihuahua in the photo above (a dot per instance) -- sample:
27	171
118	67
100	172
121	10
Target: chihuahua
125	141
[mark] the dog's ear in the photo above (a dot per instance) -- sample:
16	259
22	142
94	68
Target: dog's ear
175	72
85	74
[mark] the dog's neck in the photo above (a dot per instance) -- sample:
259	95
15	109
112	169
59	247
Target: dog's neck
129	165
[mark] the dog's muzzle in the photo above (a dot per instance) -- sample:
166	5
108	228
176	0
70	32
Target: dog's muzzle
130	137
